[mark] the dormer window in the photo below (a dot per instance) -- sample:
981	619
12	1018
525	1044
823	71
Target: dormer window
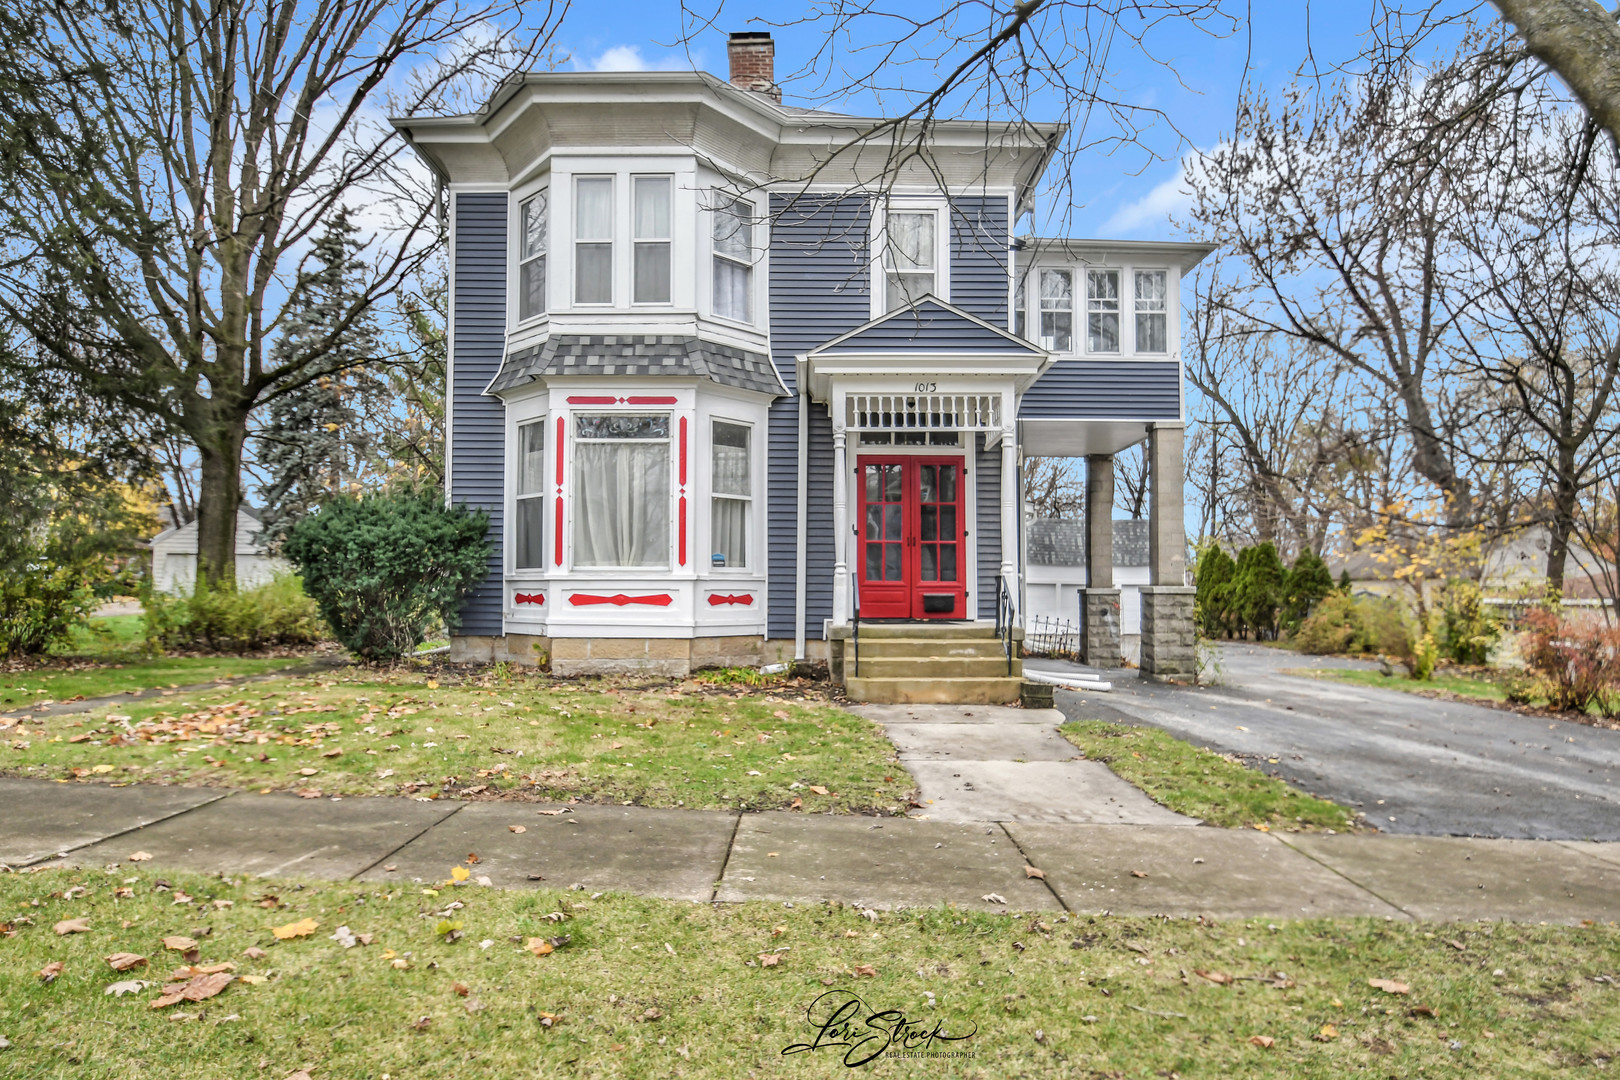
593	240
1152	312
651	265
734	261
910	256
1102	311
532	217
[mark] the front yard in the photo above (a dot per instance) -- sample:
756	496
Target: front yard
485	733
73	678
459	981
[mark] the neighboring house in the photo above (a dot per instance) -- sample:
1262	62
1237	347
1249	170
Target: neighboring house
720	416
1512	566
1055	574
174	556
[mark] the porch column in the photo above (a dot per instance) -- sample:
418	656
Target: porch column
840	605
1009	512
1099	600
1169	644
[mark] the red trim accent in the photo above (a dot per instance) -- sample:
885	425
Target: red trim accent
716	599
649	400
620	600
529	598
682	542
562	443
558	537
683	453
594	401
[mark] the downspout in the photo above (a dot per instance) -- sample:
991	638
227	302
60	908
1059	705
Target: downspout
803	498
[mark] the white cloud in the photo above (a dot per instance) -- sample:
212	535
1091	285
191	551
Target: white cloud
629	58
1155	209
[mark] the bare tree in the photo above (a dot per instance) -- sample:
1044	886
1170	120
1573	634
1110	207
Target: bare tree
1055	487
1580	40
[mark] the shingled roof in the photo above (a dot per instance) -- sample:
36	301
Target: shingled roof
639	355
1062	542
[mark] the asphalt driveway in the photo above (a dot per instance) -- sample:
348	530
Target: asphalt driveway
1411	764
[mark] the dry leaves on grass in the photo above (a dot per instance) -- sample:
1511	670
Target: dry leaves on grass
993	898
72	926
301	928
1264	1042
141	856
818	789
253	952
123	961
866	970
127	986
769	959
1389	986
50	971
179	944
199	988
1219	978
191	971
1328	1033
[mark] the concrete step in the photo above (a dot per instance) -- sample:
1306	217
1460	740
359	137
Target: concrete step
932	667
966	648
871	631
955	691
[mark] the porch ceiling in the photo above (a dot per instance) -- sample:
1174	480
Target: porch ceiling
1079	438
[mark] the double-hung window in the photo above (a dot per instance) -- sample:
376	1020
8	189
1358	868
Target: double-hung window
533	223
1152	312
593	240
732	494
1102	311
621	502
529	550
651	237
733	261
1057	310
1020	321
910	256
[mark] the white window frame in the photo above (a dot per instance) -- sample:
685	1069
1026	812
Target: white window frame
748	501
575	485
519	261
575	240
1041	308
1137	311
723	203
667	240
520	414
1121	329
879	246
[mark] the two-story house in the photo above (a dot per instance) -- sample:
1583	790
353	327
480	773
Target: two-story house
738	385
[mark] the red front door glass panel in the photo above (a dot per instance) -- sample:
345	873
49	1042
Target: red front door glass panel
911	560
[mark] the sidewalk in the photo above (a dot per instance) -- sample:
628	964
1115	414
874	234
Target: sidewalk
1134	869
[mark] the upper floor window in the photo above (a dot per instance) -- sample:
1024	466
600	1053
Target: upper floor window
1057	310
593	240
529	553
910	256
1020	324
651	260
533	223
621	502
733	261
732	493
1102	311
1152	314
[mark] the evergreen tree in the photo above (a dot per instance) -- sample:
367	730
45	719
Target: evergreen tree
1308	582
1213	580
1257	589
312	445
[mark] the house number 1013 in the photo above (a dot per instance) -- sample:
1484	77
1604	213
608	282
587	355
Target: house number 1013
926	387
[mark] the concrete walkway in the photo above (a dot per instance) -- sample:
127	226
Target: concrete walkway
1144	869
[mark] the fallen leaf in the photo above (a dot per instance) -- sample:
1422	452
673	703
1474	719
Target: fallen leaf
72	926
797	804
1219	978
253	952
1328	1033
818	789
865	969
306	771
517	828
550	1019
1389	986
123	961
769	959
993	898
141	856
460	873
1262	1041
309	793
301	1074
423	1024
345	937
253	980
50	971
1031	872
433	684
553	813
301	928
128	986
191	971
473	859
333	753
1421	1010
461	988
200	988
1138	873
540	946
179	944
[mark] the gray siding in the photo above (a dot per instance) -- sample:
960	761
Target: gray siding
979	275
477	472
1105	389
928	326
987	526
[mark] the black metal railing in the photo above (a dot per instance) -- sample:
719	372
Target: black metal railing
1048	636
1004	618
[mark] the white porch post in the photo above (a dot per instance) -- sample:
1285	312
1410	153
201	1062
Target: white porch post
840	528
1009	495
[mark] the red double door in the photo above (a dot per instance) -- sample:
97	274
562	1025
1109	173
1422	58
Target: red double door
912	557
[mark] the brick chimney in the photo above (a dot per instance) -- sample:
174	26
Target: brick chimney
753	63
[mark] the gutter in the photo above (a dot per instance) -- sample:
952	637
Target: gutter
803	499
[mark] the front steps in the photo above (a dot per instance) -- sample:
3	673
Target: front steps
955	663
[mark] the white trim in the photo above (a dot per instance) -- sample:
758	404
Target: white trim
515	322
450	353
877	246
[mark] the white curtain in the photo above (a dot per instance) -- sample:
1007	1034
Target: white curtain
621	506
731	288
730	528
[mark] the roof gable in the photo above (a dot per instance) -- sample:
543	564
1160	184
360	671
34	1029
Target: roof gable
929	325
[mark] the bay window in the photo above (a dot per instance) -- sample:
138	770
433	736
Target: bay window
1102	311
1057	310
529	534
910	256
731	494
651	239
733	261
593	240
532	218
1152	312
621	502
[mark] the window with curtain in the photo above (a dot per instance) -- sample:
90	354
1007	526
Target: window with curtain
651	236
593	240
910	256
1057	310
1020	323
529	539
734	261
732	494
1102	311
621	490
1152	312
532	224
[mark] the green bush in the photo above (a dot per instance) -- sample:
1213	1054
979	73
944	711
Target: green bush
1257	589
1213	600
225	619
40	606
1354	625
386	569
1425	655
1468	630
1308	583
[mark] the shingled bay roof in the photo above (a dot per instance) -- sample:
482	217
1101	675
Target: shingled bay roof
639	355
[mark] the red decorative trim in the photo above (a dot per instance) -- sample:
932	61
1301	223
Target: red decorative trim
562	445
620	600
683	450
716	599
681	544
592	401
651	401
559	534
529	598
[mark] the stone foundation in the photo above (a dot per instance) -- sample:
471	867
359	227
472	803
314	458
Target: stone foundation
1099	628
1169	640
613	656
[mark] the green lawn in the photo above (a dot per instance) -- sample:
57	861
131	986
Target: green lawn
70	678
638	987
1455	683
107	635
500	731
1202	783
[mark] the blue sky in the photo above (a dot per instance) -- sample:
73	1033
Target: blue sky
1130	193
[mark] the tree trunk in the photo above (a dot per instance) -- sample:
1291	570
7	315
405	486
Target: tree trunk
1565	506
1579	40
219	496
